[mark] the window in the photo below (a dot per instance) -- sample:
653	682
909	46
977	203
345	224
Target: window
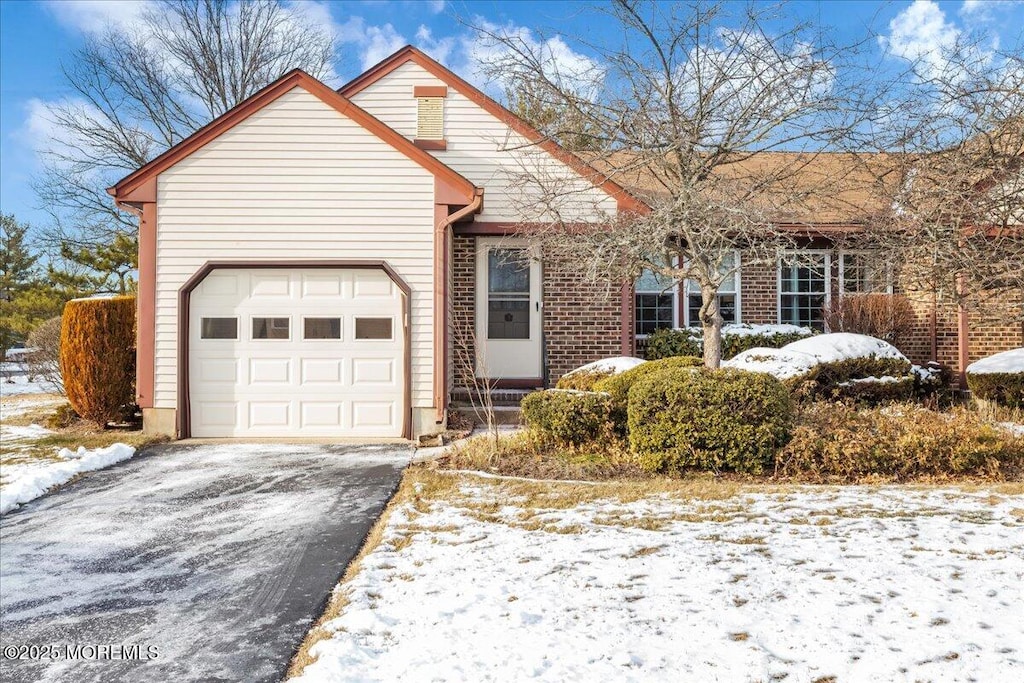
373	328
803	288
321	328
508	294
655	303
862	272
270	328
429	118
219	328
728	295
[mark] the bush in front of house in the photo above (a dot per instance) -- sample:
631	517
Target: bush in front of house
97	357
618	386
999	378
713	420
836	443
568	416
885	316
583	378
735	339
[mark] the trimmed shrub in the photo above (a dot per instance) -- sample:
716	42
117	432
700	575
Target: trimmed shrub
97	357
1004	388
618	386
716	420
885	316
690	342
583	378
44	360
568	417
840	443
581	381
872	391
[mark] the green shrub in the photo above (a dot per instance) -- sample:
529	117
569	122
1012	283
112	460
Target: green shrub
1004	388
841	443
717	420
875	393
843	379
97	357
690	342
568	417
667	343
582	380
618	386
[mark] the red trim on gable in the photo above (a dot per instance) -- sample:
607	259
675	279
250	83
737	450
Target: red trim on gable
140	180
410	54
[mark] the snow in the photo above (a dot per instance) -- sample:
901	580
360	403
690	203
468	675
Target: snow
614	365
781	363
26	482
748	330
1011	361
1013	427
839	346
863	584
14	379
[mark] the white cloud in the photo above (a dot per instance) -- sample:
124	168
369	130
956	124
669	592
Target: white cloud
437	6
921	33
438	48
374	42
38	131
92	16
984	10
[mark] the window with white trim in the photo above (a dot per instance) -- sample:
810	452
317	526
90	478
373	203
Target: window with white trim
728	294
803	290
863	272
655	303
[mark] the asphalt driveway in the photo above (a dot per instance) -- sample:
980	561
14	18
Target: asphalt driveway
186	563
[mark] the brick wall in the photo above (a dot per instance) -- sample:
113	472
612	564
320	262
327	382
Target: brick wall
758	302
581	322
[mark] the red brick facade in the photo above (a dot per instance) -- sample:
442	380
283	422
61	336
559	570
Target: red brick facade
582	323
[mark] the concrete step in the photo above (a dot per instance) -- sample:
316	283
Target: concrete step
461	397
503	415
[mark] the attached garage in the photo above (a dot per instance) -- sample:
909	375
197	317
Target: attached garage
296	351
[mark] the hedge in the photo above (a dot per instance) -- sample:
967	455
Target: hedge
716	420
618	386
843	444
582	380
666	343
568	417
1005	388
97	357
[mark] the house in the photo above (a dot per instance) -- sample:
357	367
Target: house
308	259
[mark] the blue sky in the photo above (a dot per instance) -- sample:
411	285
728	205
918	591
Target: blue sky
36	36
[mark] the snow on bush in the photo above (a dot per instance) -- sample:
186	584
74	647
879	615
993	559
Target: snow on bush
780	363
27	482
1009	362
828	348
584	377
748	330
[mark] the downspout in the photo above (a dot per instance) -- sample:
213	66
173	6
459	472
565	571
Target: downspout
441	296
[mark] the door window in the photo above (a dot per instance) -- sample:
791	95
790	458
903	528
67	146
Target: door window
218	328
270	328
508	294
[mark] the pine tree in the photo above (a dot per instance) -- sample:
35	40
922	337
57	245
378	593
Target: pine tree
17	261
25	299
99	269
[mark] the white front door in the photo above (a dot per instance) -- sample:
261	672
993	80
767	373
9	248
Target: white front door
297	352
508	310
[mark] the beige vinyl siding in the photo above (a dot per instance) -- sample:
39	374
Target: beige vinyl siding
296	180
485	150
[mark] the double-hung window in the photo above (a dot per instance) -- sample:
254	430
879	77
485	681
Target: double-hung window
863	272
656	304
804	287
728	294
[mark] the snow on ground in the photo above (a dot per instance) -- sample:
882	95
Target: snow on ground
1008	361
858	583
22	483
14	379
614	365
748	330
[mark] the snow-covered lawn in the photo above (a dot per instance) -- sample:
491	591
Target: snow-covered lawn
489	579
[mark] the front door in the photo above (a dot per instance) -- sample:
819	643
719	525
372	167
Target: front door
508	310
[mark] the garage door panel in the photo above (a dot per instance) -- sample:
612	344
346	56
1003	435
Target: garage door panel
316	379
269	371
322	371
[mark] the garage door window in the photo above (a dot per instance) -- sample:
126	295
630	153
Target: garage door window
270	328
373	328
321	328
219	328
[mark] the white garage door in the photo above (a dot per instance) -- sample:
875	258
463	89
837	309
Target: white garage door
296	352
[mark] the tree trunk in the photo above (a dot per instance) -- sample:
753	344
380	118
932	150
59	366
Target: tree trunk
711	324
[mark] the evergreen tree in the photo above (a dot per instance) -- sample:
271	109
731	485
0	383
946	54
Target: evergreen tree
99	269
25	299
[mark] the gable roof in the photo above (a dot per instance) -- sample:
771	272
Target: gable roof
140	185
411	54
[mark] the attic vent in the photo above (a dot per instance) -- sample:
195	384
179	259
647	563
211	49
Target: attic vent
430	118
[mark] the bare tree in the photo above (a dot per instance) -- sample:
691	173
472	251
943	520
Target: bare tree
956	140
682	105
468	357
141	89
